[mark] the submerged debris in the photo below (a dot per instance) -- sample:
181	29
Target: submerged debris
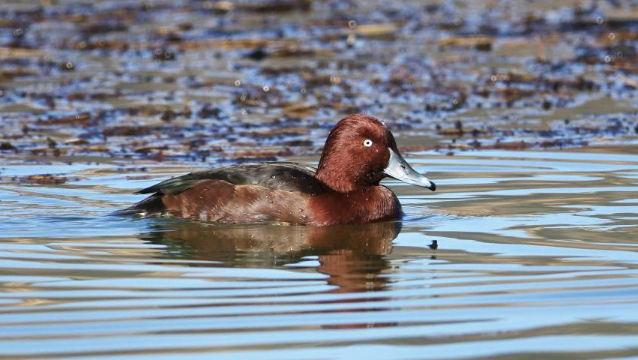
44	179
264	79
6	146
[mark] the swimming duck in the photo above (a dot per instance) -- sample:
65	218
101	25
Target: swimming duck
344	189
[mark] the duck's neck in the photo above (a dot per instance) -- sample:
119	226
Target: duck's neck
335	179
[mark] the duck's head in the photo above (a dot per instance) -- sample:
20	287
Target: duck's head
360	151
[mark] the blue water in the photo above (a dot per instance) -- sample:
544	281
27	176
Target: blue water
537	258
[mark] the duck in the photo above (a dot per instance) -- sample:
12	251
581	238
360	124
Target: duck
345	188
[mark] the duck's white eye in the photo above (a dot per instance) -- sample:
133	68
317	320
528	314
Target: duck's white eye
367	142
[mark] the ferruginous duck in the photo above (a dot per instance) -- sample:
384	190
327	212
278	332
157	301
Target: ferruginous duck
344	189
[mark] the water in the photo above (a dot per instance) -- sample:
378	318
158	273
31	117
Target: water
537	258
536	250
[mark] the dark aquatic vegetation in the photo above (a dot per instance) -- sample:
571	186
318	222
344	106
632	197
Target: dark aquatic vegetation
225	74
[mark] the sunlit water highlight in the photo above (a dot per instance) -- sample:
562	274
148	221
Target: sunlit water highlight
537	257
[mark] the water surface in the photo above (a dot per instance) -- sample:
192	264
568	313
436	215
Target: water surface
536	258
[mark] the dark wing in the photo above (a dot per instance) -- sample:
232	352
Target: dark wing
273	175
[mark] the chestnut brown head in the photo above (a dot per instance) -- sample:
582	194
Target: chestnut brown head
360	151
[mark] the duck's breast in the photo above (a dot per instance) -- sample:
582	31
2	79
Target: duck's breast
369	204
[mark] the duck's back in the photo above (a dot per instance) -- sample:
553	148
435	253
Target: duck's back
233	194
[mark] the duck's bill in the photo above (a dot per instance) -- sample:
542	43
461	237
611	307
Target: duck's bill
399	169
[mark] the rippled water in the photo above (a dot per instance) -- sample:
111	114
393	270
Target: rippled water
537	258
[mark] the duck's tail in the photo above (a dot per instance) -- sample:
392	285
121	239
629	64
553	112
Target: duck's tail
151	206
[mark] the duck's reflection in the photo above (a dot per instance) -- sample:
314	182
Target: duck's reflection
352	256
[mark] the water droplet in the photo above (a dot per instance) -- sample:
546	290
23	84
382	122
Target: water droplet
599	20
69	65
303	90
352	38
455	102
352	24
607	58
18	32
237	82
493	78
266	88
612	36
